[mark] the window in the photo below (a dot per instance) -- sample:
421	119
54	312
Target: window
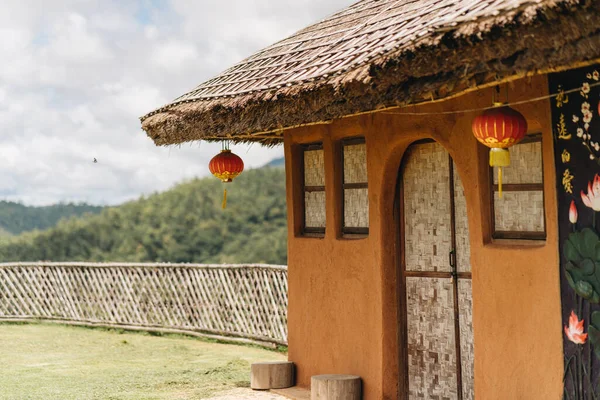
355	187
519	214
314	189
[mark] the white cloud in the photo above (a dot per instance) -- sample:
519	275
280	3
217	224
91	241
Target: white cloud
76	75
72	42
174	55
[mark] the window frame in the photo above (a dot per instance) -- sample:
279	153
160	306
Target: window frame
311	231
351	231
519	187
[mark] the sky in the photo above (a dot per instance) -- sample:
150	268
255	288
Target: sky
76	75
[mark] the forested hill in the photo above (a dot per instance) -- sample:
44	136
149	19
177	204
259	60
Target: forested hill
184	224
16	218
276	162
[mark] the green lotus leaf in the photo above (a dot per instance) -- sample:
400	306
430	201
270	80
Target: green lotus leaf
582	268
594	332
589	242
594	337
595	320
581	245
571	266
584	289
597	252
597	272
571	251
588	267
575	274
570	280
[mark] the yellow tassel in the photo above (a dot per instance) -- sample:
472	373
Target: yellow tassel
499	158
224	205
500	182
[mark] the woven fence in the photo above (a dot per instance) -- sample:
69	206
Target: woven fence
238	302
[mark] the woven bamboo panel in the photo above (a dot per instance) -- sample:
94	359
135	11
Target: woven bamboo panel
314	209
356	201
525	164
467	348
461	226
356	208
314	168
355	163
248	301
427	222
431	342
519	211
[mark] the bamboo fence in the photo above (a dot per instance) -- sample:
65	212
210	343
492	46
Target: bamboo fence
246	303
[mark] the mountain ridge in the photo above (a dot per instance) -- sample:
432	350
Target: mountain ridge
17	218
183	224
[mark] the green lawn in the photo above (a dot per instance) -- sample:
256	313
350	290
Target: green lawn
41	361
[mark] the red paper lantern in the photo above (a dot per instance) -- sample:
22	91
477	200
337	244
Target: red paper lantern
226	166
500	128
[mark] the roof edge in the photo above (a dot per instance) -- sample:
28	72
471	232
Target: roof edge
557	39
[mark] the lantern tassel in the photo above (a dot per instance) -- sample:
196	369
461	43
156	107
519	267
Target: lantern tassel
499	158
224	204
500	182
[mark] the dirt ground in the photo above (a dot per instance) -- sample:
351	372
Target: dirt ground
247	394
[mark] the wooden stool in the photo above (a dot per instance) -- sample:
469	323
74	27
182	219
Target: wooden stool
272	375
335	387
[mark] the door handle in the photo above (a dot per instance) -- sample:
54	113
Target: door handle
452	263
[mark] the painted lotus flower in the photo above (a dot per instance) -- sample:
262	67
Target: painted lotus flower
592	198
574	330
573	212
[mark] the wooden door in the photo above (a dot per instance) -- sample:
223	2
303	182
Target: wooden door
435	278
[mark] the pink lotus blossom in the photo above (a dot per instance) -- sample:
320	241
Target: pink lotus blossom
592	198
573	213
575	330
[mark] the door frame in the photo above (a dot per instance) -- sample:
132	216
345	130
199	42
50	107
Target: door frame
403	370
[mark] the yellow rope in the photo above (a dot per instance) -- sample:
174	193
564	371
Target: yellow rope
514	103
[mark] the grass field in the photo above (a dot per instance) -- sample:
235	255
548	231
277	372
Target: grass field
41	361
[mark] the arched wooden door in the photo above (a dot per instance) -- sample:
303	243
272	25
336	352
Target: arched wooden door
435	278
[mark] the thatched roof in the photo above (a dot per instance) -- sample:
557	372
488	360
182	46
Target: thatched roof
377	54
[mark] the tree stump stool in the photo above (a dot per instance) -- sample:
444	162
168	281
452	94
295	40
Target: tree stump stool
272	375
335	387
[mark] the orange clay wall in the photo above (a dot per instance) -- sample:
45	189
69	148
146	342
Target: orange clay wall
342	291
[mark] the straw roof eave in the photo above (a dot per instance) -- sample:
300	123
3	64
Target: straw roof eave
436	68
